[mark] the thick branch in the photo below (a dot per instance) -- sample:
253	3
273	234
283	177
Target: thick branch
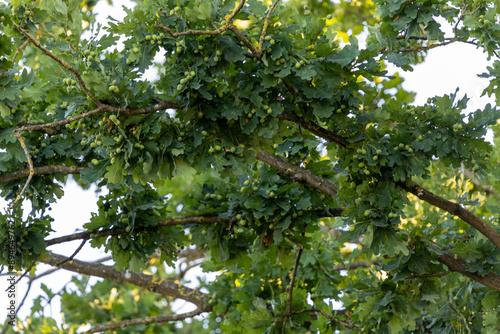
151	282
296	173
45	170
118	231
410	186
146	321
454	209
457	264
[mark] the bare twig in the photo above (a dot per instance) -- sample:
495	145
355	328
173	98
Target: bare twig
228	26
31	173
27	269
245	40
72	256
19	50
290	290
425	48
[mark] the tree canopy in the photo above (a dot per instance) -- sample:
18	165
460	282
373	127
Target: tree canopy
273	148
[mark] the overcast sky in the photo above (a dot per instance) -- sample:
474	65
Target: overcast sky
445	69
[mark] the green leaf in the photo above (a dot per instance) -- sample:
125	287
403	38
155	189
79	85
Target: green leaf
4	110
114	172
53	6
205	11
395	324
258	317
347	54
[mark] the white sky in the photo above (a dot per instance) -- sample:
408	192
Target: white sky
456	65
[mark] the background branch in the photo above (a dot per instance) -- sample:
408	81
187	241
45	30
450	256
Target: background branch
150	282
146	321
454	209
457	264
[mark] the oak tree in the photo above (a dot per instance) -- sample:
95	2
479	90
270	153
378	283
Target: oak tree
272	148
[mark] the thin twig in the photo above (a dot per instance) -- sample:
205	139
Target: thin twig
290	290
266	25
426	48
145	321
245	40
218	31
429	275
28	269
19	50
61	62
30	176
74	253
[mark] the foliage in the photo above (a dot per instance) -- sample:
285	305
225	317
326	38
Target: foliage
270	143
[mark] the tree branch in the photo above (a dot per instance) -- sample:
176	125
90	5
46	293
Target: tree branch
30	174
410	186
146	321
103	108
151	282
425	48
266	24
454	209
290	290
489	190
72	256
229	26
314	128
357	264
191	31
61	62
117	231
457	264
45	170
296	173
